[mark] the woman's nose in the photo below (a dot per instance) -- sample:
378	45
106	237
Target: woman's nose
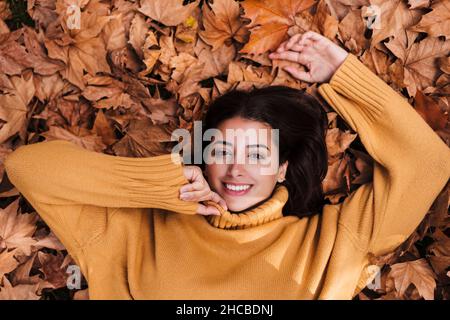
236	169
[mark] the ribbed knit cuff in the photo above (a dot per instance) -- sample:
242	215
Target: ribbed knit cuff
155	181
353	79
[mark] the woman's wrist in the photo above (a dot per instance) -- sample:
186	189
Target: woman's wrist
341	58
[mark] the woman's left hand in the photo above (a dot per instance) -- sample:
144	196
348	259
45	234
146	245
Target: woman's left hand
321	56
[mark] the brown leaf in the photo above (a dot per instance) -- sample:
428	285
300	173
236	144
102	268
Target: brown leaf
19	292
80	136
7	262
395	16
16	230
214	62
168	12
338	141
53	269
437	22
270	21
222	23
13	56
351	31
143	139
419	59
430	111
416	272
81	50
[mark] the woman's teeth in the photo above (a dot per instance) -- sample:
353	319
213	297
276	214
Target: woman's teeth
237	188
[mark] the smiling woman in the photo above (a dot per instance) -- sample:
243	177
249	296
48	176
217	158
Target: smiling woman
301	153
123	221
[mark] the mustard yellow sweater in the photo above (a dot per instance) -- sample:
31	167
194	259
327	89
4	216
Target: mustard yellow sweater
122	221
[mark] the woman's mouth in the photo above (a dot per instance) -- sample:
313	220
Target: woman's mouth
236	189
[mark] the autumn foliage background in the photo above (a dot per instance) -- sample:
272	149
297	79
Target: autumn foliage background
136	70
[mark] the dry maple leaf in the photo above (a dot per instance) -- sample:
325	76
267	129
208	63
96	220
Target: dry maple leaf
336	181
21	276
138	33
340	8
418	59
351	31
82	137
168	12
430	111
49	88
14	106
214	62
321	21
394	16
437	22
107	92
50	241
270	21
114	33
416	272
222	23
7	262
53	268
19	292
143	139
247	76
41	63
80	49
16	230
338	141
13	57
42	12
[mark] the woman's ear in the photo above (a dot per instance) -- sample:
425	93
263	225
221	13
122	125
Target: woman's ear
282	171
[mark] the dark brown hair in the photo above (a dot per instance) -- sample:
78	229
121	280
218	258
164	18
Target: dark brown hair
302	124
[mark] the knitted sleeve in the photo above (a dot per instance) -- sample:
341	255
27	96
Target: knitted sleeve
73	189
412	164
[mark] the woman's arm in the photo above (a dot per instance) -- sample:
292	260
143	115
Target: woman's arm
412	164
61	173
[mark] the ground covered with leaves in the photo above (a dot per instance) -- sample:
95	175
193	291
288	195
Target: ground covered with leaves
135	70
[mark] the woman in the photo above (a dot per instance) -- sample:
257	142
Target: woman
125	224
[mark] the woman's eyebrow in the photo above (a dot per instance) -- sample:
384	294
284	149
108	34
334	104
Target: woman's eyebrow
223	142
257	146
248	146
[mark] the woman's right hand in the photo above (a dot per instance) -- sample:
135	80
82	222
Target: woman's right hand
321	56
198	190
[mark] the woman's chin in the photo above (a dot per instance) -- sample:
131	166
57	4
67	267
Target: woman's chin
236	208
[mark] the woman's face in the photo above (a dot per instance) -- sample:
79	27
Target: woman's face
236	151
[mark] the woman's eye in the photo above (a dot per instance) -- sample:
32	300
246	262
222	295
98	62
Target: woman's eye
221	152
258	156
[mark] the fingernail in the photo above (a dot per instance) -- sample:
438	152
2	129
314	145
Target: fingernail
183	196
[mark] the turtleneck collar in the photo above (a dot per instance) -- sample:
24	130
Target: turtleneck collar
269	210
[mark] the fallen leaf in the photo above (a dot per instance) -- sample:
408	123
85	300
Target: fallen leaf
168	12
222	24
16	229
437	22
416	272
270	21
